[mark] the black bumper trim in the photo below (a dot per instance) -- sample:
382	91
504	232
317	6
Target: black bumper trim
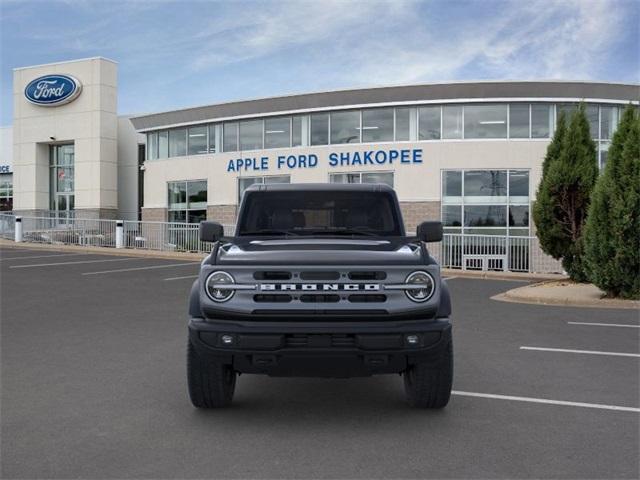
320	348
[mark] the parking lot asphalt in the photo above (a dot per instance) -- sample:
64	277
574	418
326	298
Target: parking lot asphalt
94	386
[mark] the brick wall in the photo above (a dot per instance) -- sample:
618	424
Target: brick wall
416	212
224	214
154	214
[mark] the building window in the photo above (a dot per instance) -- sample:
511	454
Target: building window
152	146
212	138
452	121
452	186
6	192
541	120
163	144
519	120
487	202
251	135
377	125
187	201
320	129
429	123
296	131
277	132
485	121
345	127
403	124
362	177
246	182
178	142
230	137
61	179
592	113
608	122
197	140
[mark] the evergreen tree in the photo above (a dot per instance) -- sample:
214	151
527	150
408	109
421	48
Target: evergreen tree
612	233
563	197
548	231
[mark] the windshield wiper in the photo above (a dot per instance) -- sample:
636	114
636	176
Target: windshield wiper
268	231
343	231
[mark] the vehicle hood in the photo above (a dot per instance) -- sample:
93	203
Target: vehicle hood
320	251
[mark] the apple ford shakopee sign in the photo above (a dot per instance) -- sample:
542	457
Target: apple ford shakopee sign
53	90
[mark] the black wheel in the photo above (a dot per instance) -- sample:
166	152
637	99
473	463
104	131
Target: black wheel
211	384
428	385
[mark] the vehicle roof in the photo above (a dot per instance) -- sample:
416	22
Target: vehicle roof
320	187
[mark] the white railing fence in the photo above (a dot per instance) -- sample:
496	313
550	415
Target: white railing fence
7	226
493	253
69	231
465	252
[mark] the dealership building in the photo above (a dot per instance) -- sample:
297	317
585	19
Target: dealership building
469	153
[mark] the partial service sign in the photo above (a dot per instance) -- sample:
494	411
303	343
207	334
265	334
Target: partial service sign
53	90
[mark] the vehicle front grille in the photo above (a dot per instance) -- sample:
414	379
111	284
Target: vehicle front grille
268	298
320	341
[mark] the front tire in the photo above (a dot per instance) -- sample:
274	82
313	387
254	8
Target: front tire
211	384
428	384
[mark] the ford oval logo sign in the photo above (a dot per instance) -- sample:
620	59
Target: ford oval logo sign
53	90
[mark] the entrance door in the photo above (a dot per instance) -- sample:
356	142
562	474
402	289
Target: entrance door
62	175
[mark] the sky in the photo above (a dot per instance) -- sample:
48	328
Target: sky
176	54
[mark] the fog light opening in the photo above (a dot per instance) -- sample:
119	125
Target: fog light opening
227	339
413	339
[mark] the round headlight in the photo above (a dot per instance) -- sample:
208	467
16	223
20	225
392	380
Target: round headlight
214	287
424	286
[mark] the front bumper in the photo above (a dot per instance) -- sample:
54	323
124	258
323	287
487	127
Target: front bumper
320	349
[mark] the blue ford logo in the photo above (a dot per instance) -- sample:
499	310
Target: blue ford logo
53	90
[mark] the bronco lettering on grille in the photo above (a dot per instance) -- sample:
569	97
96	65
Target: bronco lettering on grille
324	287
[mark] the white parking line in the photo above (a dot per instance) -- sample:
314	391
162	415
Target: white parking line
74	263
141	268
605	324
599	406
180	278
588	352
42	256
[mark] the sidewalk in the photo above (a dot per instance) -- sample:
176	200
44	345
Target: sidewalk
566	293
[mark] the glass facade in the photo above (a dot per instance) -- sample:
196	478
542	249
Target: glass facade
345	127
319	129
6	192
277	132
429	123
377	125
485	121
61	179
187	201
403	124
178	142
487	202
362	177
452	121
197	140
385	124
246	182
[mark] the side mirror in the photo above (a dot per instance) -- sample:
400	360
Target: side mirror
430	231
211	231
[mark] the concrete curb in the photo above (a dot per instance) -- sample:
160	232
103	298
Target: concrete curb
126	252
572	295
510	276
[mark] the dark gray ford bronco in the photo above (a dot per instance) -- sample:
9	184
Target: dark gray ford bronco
320	280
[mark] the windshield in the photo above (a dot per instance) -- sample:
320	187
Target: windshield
331	213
